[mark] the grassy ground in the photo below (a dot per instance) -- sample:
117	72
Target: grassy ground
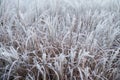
59	40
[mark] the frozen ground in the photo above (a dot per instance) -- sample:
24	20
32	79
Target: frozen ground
59	39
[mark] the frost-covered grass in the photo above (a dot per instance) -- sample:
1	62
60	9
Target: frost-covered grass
59	39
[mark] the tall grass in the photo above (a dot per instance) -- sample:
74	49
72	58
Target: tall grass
59	40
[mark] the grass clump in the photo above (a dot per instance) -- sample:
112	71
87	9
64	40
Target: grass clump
59	40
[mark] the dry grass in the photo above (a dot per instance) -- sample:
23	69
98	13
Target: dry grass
59	40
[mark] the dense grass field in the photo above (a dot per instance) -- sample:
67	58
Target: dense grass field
59	39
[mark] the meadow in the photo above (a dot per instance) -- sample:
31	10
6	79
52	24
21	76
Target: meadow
59	39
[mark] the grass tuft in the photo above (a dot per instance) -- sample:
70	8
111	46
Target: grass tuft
59	40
